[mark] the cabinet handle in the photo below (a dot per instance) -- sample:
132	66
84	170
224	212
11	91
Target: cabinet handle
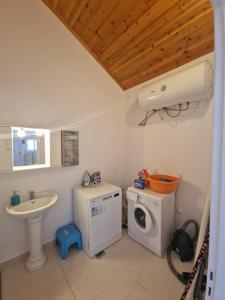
107	197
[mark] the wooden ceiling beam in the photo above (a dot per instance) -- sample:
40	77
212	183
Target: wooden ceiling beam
159	61
145	20
165	26
125	14
69	8
54	2
136	40
96	17
69	27
178	59
61	5
76	12
177	37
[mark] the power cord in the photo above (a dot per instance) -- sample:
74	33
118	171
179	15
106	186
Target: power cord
168	111
148	115
179	110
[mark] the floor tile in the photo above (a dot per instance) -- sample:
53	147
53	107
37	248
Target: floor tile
126	271
123	290
18	284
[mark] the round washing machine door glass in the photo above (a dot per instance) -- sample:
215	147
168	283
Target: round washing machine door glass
142	218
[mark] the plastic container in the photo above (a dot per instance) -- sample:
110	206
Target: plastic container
15	199
139	184
164	184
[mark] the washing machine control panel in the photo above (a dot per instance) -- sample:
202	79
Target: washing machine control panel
154	203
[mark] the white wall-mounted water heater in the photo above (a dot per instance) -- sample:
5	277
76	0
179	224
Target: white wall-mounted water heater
192	84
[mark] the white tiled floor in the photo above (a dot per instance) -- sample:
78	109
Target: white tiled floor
127	271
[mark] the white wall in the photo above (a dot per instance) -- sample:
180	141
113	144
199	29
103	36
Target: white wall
179	146
47	79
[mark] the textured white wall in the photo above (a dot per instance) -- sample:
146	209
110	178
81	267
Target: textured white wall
179	146
47	79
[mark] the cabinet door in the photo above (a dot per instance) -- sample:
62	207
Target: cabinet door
105	220
5	149
55	149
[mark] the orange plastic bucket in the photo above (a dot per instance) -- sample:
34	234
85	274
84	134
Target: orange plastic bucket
157	184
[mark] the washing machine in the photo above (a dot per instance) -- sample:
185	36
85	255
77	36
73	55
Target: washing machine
98	215
151	218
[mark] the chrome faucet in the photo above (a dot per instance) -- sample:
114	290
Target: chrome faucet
32	195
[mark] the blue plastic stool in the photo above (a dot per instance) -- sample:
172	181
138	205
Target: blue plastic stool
66	236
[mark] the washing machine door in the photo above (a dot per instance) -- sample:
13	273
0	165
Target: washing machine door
142	218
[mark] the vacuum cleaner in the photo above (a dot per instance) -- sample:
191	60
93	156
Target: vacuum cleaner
184	246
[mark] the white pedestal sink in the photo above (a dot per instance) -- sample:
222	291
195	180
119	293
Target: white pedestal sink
33	212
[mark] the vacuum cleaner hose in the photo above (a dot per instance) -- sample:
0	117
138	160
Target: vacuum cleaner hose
188	222
183	277
172	268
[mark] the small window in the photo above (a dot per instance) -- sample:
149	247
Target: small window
32	145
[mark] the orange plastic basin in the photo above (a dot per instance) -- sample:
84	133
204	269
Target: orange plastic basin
163	187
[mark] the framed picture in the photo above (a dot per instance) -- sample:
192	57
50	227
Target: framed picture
70	148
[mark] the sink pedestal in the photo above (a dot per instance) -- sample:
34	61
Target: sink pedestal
37	258
33	212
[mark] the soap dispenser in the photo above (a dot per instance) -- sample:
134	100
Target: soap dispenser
15	199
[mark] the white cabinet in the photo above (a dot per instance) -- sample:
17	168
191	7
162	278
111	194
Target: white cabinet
5	149
55	149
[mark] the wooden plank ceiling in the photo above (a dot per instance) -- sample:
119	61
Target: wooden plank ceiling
136	40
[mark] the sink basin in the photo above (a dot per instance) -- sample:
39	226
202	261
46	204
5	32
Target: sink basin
33	212
32	208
